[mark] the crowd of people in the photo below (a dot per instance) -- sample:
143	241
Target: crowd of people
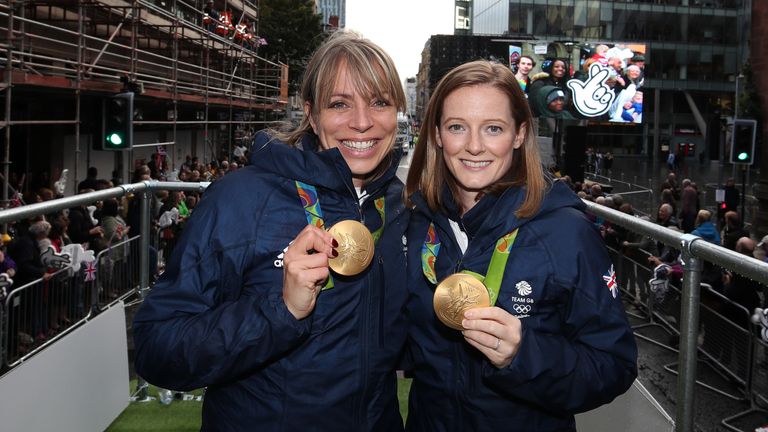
680	209
34	249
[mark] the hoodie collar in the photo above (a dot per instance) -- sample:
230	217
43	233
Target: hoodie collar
309	164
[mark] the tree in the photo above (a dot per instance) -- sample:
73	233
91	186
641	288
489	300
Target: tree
293	31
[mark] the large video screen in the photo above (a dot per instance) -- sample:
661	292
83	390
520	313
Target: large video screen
601	82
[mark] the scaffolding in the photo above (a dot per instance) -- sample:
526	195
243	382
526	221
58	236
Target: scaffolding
183	71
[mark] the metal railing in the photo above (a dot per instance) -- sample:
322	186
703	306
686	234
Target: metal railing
693	251
37	314
639	196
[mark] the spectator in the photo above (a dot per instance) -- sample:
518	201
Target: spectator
732	196
734	230
740	289
705	228
82	228
689	209
671	160
25	251
667	197
608	162
90	179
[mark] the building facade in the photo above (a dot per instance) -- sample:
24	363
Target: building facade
200	88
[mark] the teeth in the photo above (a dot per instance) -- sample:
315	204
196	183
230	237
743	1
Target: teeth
473	164
358	145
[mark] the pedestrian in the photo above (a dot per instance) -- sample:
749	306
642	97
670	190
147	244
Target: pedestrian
289	326
608	162
519	336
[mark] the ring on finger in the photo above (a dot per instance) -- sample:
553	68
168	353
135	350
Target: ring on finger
498	343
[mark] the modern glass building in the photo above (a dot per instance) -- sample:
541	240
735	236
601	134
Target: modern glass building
695	53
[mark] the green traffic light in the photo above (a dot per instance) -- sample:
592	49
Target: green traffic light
115	139
743	156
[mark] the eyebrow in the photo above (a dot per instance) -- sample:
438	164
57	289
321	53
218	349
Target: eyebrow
492	120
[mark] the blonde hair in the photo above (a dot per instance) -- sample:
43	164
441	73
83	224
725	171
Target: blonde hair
703	216
373	74
429	171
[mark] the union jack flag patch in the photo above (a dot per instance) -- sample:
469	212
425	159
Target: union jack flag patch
610	281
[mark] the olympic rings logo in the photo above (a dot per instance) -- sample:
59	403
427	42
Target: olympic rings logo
521	309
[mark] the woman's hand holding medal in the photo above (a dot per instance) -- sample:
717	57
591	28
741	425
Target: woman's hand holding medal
305	269
494	332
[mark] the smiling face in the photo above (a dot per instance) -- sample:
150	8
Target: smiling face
478	136
362	127
558	69
525	65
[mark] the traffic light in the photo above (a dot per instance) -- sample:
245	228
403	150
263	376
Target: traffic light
117	122
743	142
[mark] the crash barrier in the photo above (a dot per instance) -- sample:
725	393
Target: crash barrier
681	313
641	197
37	314
693	251
759	387
44	310
724	339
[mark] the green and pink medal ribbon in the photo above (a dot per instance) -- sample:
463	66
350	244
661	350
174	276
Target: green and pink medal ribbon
492	280
311	204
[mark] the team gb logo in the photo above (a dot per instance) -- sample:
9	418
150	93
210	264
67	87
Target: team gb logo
523	288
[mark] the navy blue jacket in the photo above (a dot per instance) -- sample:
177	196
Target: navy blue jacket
216	317
577	349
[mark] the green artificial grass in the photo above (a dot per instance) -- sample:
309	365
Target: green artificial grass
182	416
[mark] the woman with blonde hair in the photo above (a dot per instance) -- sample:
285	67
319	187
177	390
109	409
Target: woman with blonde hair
515	318
285	295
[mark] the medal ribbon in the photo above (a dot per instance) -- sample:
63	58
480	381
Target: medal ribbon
497	266
311	204
429	251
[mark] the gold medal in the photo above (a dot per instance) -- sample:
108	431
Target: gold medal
355	248
456	294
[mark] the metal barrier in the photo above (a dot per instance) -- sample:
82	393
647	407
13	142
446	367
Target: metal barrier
639	196
757	386
42	311
35	315
693	251
117	275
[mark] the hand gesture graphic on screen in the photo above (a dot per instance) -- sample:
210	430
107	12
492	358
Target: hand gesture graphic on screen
592	97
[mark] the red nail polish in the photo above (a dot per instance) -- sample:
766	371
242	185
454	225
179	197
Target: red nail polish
334	243
334	253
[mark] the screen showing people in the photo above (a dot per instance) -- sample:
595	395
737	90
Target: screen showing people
600	82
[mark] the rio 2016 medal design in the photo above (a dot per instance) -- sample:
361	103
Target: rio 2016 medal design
355	248
456	294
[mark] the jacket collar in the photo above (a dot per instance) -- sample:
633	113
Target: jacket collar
310	164
493	217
